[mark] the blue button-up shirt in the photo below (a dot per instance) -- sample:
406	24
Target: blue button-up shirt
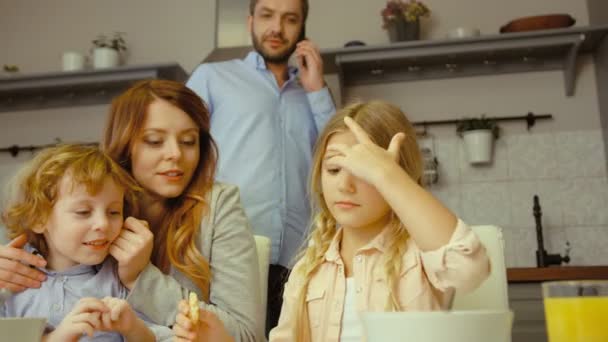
58	295
265	135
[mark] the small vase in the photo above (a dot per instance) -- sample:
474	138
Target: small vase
402	30
105	57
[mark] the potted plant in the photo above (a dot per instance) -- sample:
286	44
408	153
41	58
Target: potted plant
107	51
479	135
401	19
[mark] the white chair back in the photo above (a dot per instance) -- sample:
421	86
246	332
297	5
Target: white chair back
262	244
493	293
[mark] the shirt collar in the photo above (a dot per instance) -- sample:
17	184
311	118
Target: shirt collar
378	243
254	59
75	270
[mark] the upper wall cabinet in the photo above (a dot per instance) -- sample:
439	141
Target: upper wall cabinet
90	87
555	49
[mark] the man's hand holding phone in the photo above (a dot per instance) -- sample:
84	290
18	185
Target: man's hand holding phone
310	66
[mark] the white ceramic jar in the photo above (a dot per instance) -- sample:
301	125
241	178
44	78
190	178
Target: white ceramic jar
105	57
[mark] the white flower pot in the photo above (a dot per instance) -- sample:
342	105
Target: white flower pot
478	146
105	57
72	61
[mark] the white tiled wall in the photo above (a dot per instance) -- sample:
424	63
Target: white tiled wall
567	170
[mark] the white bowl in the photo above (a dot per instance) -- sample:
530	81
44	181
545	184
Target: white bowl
438	326
22	329
463	32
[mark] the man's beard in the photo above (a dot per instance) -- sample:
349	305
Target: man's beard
280	58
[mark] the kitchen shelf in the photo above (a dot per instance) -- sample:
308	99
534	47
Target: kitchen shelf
486	55
89	87
555	49
536	274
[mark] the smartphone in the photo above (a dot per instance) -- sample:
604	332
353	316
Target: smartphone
293	60
302	33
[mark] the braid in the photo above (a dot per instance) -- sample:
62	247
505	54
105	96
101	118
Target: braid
321	237
393	262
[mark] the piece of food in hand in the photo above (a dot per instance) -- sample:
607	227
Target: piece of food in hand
193	301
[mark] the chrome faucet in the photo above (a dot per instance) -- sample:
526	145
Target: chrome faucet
544	259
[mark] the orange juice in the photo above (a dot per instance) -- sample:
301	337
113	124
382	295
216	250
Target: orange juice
577	319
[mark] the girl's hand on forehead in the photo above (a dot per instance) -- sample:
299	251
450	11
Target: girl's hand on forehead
365	159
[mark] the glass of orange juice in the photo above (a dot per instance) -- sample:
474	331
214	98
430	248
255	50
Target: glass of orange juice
576	311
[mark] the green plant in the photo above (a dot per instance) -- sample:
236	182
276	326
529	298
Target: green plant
409	10
10	68
117	42
471	124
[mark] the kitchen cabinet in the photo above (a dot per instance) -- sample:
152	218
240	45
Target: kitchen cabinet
88	87
526	299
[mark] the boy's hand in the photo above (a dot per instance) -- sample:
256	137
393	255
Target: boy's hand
84	318
132	249
119	317
208	327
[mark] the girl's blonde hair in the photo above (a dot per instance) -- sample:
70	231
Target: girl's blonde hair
381	121
34	190
174	241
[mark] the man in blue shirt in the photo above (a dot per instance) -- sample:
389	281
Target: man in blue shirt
265	118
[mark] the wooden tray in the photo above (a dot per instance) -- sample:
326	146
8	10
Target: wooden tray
540	22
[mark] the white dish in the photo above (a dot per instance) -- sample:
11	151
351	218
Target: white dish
463	32
22	329
438	326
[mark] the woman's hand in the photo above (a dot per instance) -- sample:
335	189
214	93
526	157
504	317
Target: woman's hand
208	327
15	274
85	318
132	249
366	160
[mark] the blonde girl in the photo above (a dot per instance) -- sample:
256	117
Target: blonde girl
380	241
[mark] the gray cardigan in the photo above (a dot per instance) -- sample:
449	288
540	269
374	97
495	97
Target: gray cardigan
227	242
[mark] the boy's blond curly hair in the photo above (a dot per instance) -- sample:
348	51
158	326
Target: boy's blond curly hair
33	191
